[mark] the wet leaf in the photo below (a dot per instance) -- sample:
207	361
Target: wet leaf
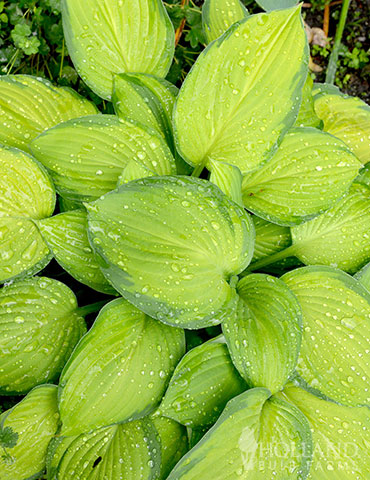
177	262
39	327
30	105
348	118
270	238
133	171
219	15
35	419
203	382
113	36
339	237
66	236
174	443
334	357
127	451
309	173
239	98
26	194
239	445
264	336
119	370
341	436
99	148
307	116
228	178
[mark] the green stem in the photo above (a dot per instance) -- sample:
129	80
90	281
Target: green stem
94	307
276	257
332	66
199	168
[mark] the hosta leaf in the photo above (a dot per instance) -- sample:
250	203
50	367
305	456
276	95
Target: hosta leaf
228	178
269	5
98	149
133	171
270	238
203	382
334	357
363	276
265	335
339	237
30	105
310	171
119	370
39	327
255	438
66	235
26	194
147	100
174	443
348	118
364	175
307	116
56	449
341	436
239	98
175	264
219	15
127	451
66	205
35	419
115	36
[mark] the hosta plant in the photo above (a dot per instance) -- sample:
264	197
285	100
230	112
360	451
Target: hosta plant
220	232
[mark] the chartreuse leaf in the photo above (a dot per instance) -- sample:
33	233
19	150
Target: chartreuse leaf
228	178
35	420
177	262
348	118
30	105
219	15
133	171
127	451
363	276
341	436
119	370
334	357
239	98
203	382
26	194
310	171
39	327
269	5
264	336
307	116
147	100
114	36
66	235
57	446
174	443
339	237
98	149
255	438
270	238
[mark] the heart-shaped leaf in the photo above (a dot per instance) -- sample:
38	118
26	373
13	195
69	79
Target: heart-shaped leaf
228	178
348	118
26	194
30	105
33	422
270	238
66	235
129	451
239	98
119	370
339	237
203	382
255	438
39	327
219	15
174	443
335	354
341	436
176	263
269	5
114	36
99	147
307	116
310	171
264	336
